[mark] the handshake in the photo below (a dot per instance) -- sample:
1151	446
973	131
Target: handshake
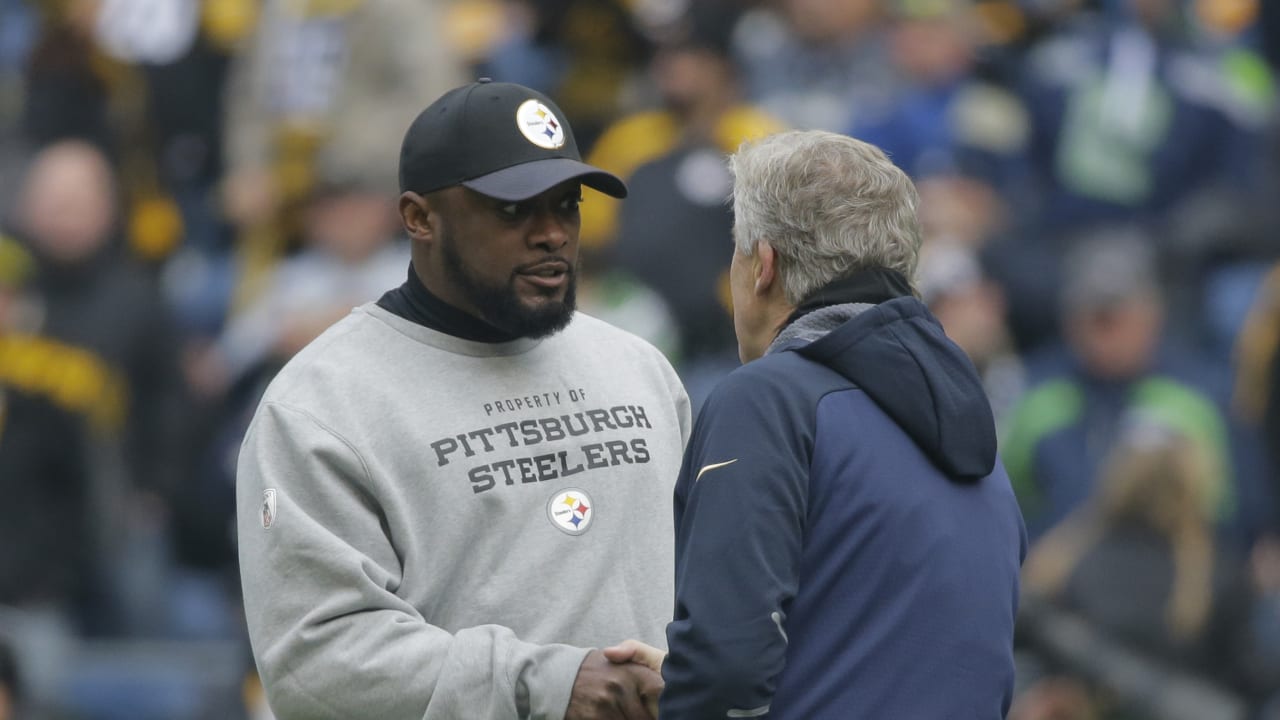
623	681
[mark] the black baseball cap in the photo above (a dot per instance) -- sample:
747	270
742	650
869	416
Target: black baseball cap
503	140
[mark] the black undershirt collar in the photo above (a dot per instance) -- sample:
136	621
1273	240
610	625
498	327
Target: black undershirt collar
415	303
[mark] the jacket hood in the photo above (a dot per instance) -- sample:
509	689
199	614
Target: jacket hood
897	353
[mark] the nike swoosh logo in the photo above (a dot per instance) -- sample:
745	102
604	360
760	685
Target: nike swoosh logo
713	466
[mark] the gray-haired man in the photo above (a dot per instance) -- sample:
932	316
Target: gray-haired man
847	543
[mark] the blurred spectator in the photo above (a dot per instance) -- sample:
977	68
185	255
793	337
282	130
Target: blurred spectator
674	161
1114	363
943	119
677	208
178	134
351	255
48	414
698	86
962	137
584	53
119	359
44	473
816	63
96	300
1140	559
1129	118
971	309
323	82
142	80
1215	251
166	64
66	86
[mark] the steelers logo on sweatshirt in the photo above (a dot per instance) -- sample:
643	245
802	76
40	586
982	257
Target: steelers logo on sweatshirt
571	510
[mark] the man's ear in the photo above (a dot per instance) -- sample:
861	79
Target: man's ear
415	213
764	266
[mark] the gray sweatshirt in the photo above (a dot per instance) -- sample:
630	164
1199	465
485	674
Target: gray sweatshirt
436	528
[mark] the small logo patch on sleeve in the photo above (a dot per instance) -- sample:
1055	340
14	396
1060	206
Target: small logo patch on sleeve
268	508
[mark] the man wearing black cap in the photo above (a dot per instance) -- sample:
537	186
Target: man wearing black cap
453	493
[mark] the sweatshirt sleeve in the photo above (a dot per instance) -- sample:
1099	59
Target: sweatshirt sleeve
740	509
330	636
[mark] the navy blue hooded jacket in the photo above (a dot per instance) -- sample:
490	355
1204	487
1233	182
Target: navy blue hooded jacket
847	545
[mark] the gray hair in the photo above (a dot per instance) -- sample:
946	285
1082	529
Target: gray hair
828	205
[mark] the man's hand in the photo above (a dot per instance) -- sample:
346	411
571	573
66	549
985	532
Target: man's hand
634	651
610	691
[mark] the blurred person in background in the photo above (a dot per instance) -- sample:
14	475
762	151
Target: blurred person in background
144	81
322	82
700	105
944	119
835	571
1130	117
1141	559
674	161
66	89
587	54
971	309
48	416
44	472
1113	362
816	63
110	314
351	253
962	137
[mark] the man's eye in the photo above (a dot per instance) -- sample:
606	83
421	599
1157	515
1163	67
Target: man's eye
513	210
571	203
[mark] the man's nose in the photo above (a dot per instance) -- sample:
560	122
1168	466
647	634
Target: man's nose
550	230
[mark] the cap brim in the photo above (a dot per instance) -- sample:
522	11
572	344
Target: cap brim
521	182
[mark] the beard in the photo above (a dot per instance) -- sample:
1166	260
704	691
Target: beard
500	305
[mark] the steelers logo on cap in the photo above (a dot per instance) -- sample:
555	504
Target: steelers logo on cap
571	510
539	125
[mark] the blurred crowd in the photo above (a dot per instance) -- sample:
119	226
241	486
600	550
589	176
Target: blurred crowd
191	190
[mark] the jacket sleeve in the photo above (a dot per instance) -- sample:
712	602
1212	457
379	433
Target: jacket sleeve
740	517
330	636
